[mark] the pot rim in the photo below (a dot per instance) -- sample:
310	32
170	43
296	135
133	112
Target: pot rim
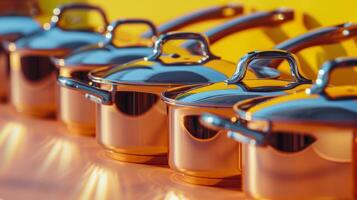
249	117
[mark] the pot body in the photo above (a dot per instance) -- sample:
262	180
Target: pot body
199	155
130	132
4	74
33	82
75	111
322	170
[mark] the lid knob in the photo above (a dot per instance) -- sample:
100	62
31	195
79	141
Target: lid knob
324	73
204	44
59	12
244	62
114	25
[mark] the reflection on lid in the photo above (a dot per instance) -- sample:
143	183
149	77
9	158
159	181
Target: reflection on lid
314	107
157	72
108	54
17	24
56	38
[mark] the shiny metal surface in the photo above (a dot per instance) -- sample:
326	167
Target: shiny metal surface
319	36
133	138
39	160
22	25
12	28
202	156
325	72
243	64
33	77
215	12
292	160
36	98
333	106
109	53
239	87
174	69
307	137
189	101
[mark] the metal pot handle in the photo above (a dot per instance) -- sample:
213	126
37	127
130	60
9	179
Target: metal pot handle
254	20
236	131
114	25
210	13
59	11
320	36
204	44
244	62
95	94
325	72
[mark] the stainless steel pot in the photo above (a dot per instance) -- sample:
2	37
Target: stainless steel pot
33	76
12	27
204	156
298	146
189	140
131	119
78	64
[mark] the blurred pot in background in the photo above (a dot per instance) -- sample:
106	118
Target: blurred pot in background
33	75
17	19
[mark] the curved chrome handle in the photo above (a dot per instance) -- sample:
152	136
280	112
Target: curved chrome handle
325	72
244	62
158	48
95	94
59	11
236	131
114	25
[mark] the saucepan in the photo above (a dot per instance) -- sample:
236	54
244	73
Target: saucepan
189	140
73	105
131	120
77	112
33	76
298	146
13	25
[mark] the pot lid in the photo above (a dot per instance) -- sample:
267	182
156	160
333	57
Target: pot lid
21	25
56	37
334	105
173	69
105	53
239	87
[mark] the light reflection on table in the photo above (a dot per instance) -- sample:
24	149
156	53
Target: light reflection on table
38	160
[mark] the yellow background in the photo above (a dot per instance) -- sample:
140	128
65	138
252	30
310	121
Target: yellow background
309	14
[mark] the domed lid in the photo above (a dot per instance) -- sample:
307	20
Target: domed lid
239	87
335	105
56	37
105	53
173	69
21	25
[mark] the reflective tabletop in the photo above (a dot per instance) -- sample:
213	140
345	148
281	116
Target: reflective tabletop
39	160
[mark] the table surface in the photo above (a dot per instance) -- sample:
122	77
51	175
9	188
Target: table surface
39	160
